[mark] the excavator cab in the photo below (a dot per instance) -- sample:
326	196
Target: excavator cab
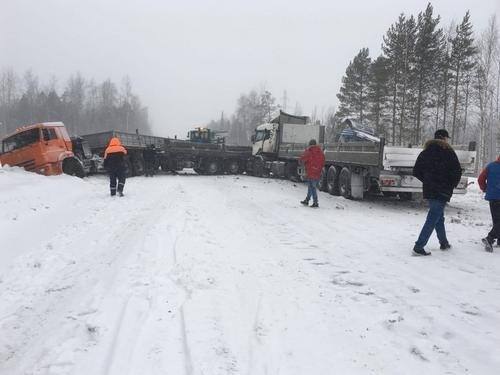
204	135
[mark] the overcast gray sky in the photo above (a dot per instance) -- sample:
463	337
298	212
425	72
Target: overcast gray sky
189	60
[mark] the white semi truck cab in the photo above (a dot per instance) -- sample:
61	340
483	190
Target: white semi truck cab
277	145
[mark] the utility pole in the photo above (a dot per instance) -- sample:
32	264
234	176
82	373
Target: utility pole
285	99
221	121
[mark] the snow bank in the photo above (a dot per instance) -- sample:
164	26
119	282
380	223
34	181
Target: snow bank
231	275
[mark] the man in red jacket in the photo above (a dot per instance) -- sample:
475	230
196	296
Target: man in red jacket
313	159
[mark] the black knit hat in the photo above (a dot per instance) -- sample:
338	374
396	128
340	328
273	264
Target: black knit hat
312	142
441	134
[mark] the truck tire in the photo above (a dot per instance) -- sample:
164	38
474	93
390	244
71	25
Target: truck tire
322	180
258	167
211	167
332	181
138	164
345	183
129	168
73	167
232	167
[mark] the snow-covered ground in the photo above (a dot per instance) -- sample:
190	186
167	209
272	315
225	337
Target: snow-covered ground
230	275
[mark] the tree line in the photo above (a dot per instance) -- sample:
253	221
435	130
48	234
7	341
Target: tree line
84	105
428	77
252	109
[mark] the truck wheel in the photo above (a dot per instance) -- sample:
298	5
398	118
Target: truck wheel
332	181
258	167
212	167
129	168
232	167
138	162
322	180
345	183
73	167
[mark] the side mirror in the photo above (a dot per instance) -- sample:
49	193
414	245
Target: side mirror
252	138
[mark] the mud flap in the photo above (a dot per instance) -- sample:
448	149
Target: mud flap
357	187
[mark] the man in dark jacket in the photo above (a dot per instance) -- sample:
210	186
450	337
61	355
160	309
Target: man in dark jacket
114	162
489	182
313	159
438	168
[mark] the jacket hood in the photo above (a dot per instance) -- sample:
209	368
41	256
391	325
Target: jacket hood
437	143
115	142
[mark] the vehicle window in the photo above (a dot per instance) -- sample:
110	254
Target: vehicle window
21	140
262	134
49	134
259	135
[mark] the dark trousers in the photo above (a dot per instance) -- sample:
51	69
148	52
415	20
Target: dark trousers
149	168
434	220
311	190
113	177
495	217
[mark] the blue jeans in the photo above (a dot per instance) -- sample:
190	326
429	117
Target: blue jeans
435	220
311	190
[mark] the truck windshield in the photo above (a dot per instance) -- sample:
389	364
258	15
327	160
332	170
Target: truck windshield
261	135
20	140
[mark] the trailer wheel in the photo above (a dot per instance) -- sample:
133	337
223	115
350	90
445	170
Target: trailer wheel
232	167
332	181
129	168
212	167
322	180
345	183
138	163
258	167
73	167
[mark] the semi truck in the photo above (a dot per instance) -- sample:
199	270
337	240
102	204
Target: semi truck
46	148
278	144
359	163
205	157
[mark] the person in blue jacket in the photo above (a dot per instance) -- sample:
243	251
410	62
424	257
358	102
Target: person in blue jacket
489	182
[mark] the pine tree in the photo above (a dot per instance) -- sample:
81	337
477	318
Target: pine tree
461	63
398	47
378	95
428	48
354	90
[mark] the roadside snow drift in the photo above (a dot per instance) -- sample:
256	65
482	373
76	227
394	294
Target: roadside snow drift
231	275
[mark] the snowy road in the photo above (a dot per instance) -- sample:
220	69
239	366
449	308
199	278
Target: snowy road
230	275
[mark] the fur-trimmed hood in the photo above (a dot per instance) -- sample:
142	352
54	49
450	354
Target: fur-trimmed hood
437	143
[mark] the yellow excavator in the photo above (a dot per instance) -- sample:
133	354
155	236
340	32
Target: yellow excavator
206	135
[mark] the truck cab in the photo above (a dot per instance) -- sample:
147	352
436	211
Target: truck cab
264	140
44	148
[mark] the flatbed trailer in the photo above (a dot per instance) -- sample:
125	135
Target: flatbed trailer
354	169
174	154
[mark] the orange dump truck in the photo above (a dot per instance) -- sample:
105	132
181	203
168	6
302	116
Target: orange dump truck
45	148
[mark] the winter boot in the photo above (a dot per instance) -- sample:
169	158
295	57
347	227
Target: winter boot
120	194
420	252
445	246
305	202
488	244
314	205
